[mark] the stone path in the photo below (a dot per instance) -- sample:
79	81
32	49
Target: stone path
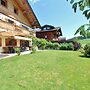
3	55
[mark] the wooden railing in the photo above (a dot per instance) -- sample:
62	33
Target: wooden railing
11	27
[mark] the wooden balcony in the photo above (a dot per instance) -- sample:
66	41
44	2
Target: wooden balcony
19	31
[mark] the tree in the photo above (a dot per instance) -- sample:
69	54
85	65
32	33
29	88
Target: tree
84	6
84	30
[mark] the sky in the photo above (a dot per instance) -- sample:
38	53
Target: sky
58	13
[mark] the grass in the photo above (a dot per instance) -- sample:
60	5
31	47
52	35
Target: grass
46	70
84	41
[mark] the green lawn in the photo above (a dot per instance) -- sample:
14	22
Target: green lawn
46	70
84	41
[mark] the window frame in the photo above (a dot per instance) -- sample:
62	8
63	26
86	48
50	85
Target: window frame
3	3
15	10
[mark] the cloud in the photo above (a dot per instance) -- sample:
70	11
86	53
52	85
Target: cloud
34	1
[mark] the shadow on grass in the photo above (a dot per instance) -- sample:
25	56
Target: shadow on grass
83	56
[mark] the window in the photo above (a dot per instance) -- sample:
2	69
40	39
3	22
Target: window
10	42
48	28
4	3
15	10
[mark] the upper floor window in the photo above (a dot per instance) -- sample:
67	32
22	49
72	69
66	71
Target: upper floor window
4	3
15	10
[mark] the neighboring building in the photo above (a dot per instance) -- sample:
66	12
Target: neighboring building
50	33
16	22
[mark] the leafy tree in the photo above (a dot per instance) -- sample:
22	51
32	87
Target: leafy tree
84	30
84	6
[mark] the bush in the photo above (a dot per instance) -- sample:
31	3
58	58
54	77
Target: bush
40	43
18	51
87	50
34	49
56	46
44	44
66	46
63	46
49	45
77	45
70	46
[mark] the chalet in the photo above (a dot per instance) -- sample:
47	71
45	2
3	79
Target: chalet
16	22
49	32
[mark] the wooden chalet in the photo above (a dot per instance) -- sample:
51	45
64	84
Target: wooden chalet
16	22
49	32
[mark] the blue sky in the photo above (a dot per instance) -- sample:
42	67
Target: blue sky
58	13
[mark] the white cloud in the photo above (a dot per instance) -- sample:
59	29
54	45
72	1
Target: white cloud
34	1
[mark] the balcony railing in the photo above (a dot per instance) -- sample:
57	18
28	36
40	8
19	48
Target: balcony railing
13	21
5	26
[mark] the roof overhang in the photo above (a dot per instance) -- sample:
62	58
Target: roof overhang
28	12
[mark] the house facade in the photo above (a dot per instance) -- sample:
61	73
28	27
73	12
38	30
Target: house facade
16	22
49	33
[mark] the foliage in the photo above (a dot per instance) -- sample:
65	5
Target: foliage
84	41
63	46
87	50
43	44
66	46
18	51
84	6
77	45
84	30
49	45
56	46
34	49
40	43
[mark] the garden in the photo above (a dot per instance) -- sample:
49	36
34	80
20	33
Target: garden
53	68
73	45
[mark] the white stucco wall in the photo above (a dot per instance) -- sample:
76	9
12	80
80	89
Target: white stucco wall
18	43
30	43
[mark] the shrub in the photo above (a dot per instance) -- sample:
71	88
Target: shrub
49	45
87	50
36	41
63	46
34	49
66	46
77	45
18	51
56	46
70	46
40	43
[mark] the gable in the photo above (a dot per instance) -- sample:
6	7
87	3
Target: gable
21	11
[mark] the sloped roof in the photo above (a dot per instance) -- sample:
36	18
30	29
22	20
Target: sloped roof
45	26
28	12
50	28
